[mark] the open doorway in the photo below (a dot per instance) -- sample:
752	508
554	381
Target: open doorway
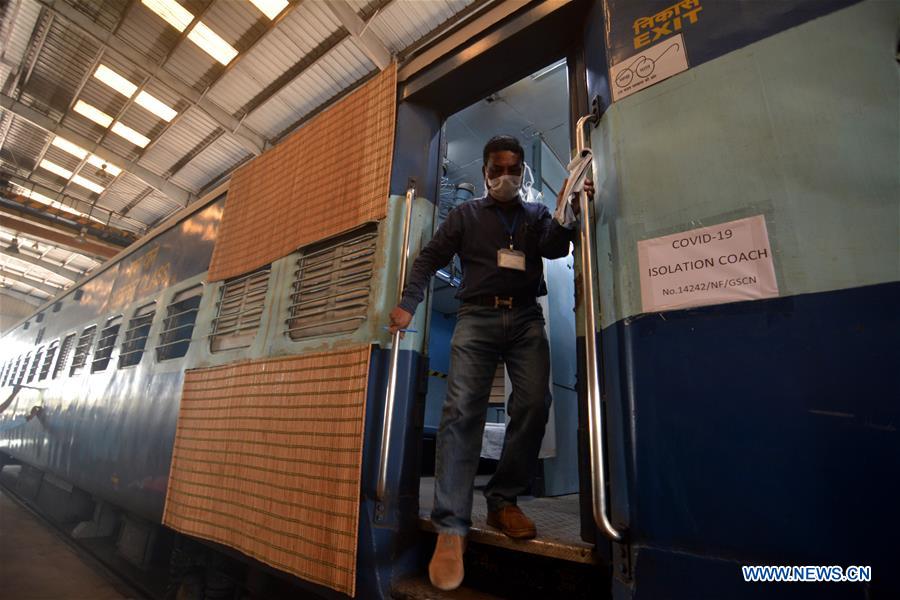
535	109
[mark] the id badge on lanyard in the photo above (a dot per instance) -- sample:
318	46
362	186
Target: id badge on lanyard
510	258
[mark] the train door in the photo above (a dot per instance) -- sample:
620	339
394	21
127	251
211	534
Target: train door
534	109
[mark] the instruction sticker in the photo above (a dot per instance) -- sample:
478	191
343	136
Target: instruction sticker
648	67
730	262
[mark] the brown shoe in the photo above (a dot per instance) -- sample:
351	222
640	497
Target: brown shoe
513	522
446	567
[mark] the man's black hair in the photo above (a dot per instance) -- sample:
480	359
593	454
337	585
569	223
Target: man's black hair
499	143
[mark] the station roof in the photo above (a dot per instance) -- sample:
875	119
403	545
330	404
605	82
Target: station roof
115	114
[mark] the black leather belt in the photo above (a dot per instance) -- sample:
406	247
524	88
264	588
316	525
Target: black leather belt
502	301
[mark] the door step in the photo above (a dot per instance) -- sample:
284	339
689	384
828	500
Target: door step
550	547
419	588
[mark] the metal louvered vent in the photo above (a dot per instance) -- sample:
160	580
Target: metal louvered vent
34	365
81	349
21	378
135	339
64	352
240	309
105	344
178	327
48	360
332	285
11	376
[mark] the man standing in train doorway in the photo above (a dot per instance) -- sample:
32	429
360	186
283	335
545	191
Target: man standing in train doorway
500	241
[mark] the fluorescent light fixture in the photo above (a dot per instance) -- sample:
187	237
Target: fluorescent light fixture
87	183
156	106
56	169
67	146
115	81
270	8
81	153
210	42
93	113
39	197
173	13
98	162
130	134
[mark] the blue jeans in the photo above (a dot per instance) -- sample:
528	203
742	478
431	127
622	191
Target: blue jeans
482	336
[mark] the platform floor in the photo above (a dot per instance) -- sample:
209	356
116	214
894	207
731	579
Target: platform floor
36	564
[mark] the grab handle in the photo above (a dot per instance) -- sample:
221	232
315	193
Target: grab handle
595	408
387	424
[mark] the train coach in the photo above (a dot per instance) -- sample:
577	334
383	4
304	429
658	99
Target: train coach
223	401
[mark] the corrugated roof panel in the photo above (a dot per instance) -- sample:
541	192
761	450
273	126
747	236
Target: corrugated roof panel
238	23
218	158
24	143
192	65
21	29
192	127
302	30
404	22
105	13
125	68
143	121
89	172
66	56
125	189
271	117
154	208
121	146
100	95
338	70
166	96
5	72
148	33
34	273
63	159
46	178
83	126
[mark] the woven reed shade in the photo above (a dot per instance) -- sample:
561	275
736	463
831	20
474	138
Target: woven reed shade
267	460
326	178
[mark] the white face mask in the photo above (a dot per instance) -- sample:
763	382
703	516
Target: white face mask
505	187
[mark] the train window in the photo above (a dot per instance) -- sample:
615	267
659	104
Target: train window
135	339
48	360
64	352
14	367
332	285
106	343
21	377
240	309
34	365
81	349
178	328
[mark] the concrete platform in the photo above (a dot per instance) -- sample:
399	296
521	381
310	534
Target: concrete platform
36	564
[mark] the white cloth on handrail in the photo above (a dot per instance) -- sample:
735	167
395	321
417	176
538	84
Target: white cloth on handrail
577	168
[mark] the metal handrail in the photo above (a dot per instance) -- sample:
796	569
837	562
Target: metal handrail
595	407
387	424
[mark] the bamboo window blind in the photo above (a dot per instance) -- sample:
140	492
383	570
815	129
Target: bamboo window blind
330	176
267	460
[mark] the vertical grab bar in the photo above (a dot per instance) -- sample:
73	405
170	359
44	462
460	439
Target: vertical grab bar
595	408
387	424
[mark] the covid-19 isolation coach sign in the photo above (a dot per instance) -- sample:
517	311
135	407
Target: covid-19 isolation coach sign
711	265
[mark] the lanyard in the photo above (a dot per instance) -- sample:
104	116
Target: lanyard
510	228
